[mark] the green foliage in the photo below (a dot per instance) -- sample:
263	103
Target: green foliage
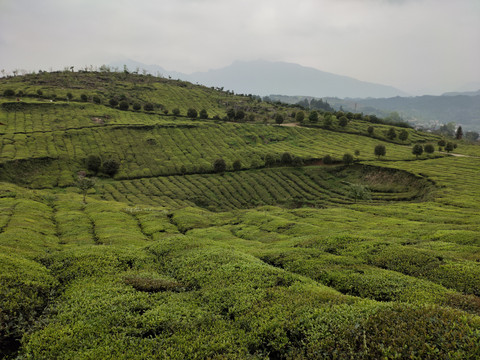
203	114
313	116
136	106
279	119
93	163
192	113
237	165
124	105
403	135
286	158
417	150
148	107
300	116
270	160
113	102
176	111
449	147
9	93
348	159
219	165
84	184
110	167
370	130
429	148
391	133
380	150
327	160
343	121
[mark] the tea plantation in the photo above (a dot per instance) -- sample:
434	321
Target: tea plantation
277	252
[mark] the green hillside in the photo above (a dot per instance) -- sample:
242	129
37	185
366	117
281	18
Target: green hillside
284	254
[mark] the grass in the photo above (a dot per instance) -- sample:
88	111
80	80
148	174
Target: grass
170	260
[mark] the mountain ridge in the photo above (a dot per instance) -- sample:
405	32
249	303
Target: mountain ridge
263	78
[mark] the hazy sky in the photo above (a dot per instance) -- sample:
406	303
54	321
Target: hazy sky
420	46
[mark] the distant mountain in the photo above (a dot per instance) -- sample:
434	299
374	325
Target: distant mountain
467	93
421	110
265	77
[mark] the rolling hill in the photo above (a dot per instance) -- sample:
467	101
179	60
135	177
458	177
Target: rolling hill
285	253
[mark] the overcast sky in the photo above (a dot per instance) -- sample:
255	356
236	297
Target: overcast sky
420	46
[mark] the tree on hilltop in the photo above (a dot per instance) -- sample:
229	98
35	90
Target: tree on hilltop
300	116
459	133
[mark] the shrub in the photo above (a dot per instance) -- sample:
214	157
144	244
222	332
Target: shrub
230	114
8	93
192	113
123	105
286	158
110	167
380	150
237	165
219	165
93	163
136	106
153	285
148	107
203	114
327	160
370	130
279	119
269	160
343	121
449	147
348	159
96	99
69	96
113	102
39	92
297	161
176	111
239	115
84	98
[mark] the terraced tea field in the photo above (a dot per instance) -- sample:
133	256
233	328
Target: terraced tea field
379	259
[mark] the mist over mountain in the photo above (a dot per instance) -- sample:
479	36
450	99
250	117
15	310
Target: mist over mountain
265	77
